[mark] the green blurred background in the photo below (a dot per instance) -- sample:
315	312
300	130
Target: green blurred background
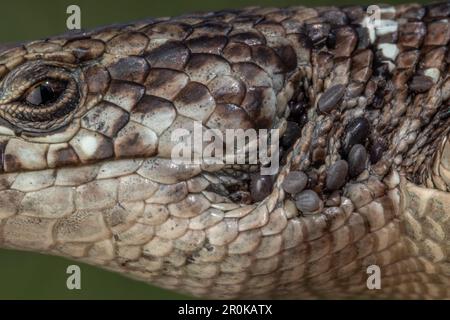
32	276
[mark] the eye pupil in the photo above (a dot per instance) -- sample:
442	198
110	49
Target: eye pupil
45	93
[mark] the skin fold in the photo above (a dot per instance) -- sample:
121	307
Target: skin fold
85	151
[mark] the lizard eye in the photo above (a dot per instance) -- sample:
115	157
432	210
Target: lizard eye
45	92
40	97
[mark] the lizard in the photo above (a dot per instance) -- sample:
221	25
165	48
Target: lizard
86	172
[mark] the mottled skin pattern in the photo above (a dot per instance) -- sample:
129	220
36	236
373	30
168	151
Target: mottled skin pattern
89	176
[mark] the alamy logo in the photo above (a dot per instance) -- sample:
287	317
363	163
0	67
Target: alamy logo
73	21
374	15
231	146
374	279
74	280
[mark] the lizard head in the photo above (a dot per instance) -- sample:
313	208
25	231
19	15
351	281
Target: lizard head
86	166
85	145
